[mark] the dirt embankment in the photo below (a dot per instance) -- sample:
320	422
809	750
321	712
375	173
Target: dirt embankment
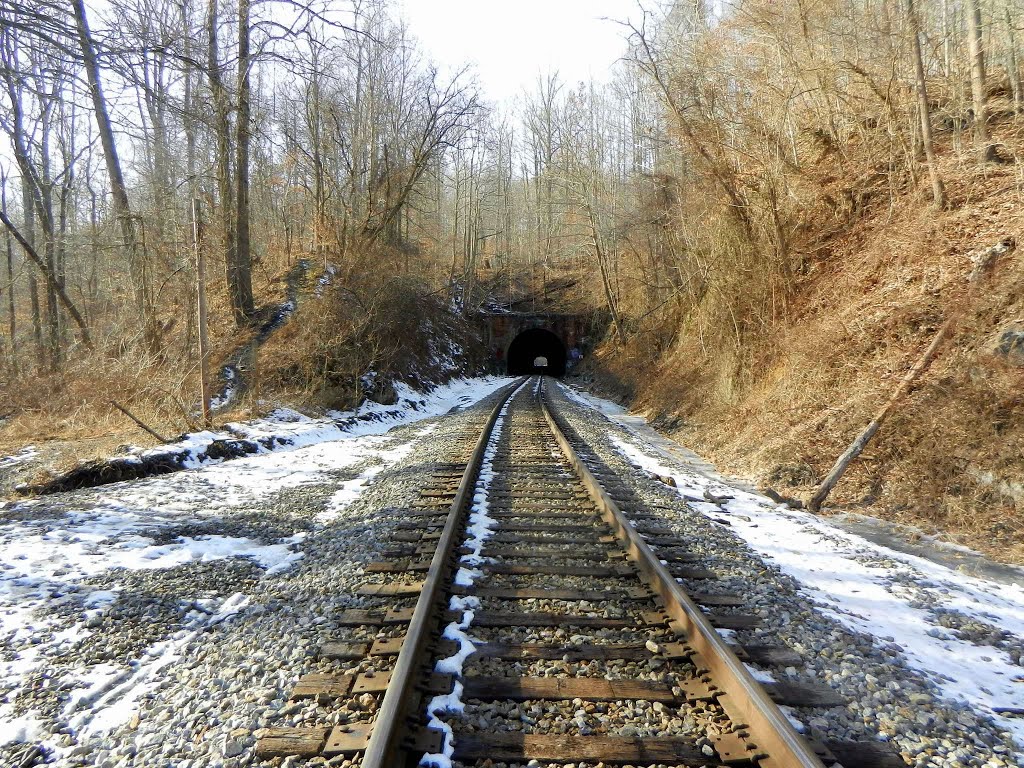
884	270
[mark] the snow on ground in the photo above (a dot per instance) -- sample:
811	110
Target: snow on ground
227	395
297	430
25	454
349	490
50	547
314	446
929	610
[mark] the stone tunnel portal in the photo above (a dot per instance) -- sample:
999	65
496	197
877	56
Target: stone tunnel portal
536	351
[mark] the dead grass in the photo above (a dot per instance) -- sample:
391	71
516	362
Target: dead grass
67	415
366	321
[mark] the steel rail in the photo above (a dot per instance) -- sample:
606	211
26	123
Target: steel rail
390	726
770	730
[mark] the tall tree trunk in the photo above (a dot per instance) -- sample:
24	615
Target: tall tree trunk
947	40
938	190
242	299
976	48
10	275
28	207
37	321
31	201
64	222
222	130
118	189
53	350
12	322
189	101
1012	65
609	296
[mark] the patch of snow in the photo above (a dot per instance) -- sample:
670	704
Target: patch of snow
42	565
110	697
324	280
219	401
27	453
349	490
465	577
456	631
587	400
17	730
794	718
286	429
761	675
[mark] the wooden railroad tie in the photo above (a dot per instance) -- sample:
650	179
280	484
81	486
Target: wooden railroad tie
519	747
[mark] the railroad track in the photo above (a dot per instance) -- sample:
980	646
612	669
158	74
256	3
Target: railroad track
523	616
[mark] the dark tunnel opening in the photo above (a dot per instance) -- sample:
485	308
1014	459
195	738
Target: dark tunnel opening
536	351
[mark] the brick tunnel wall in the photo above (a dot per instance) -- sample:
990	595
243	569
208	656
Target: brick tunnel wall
501	329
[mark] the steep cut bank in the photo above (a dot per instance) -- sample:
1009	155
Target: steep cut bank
883	270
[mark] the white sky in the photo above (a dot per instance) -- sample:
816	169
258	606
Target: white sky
511	42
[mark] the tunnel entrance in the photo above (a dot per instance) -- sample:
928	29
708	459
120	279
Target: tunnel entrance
536	351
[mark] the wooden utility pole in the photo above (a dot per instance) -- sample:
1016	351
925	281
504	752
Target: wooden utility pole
204	343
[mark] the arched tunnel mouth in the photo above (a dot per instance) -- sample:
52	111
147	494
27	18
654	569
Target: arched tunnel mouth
536	351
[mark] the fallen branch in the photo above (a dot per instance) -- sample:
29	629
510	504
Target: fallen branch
858	445
132	416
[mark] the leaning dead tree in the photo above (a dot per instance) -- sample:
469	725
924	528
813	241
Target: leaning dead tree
860	443
51	279
118	189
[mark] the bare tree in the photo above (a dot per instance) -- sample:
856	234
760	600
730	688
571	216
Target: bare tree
976	47
118	189
241	287
9	242
938	191
32	84
1012	65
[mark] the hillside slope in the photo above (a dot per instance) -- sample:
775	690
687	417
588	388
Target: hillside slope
883	270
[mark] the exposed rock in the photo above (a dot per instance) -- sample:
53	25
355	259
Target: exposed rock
1007	487
985	259
1010	345
383	392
